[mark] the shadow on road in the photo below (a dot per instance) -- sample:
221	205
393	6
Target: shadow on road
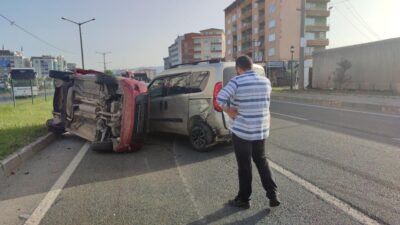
254	219
156	155
227	211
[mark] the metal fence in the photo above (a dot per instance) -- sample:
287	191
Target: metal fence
45	89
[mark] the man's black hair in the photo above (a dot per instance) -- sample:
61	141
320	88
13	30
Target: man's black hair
244	62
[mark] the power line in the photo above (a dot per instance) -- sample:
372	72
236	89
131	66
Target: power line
12	23
357	15
355	26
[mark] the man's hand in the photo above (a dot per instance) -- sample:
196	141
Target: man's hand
232	112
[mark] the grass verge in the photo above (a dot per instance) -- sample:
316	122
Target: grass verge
23	124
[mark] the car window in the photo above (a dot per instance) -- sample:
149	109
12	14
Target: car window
177	85
198	82
157	88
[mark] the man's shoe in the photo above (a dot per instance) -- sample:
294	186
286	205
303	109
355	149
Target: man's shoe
239	203
274	201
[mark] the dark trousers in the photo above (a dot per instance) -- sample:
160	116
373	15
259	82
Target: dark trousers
245	151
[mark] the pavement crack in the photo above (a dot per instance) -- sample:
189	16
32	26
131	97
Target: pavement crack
185	182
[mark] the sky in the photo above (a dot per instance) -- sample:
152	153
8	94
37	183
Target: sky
138	32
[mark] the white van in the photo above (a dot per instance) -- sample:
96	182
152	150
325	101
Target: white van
183	101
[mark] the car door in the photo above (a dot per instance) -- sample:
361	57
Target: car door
157	91
176	104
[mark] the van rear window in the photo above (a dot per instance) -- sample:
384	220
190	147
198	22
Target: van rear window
230	72
198	82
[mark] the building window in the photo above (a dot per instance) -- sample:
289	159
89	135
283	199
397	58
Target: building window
310	36
271	37
271	52
309	50
234	18
310	21
255	17
311	5
255	30
272	8
272	24
229	41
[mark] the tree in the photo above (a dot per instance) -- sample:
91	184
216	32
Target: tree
340	76
109	72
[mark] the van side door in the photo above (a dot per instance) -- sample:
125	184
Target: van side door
157	91
176	104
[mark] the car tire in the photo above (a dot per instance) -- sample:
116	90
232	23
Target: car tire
101	146
201	137
54	128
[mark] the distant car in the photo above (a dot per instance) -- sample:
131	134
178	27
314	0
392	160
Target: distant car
110	112
183	101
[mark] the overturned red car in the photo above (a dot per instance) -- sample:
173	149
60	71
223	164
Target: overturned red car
110	112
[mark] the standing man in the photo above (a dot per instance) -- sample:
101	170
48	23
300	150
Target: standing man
246	99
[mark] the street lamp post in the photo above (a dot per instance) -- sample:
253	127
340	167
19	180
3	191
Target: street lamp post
80	35
291	68
256	45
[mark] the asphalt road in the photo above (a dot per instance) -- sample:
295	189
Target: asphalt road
349	156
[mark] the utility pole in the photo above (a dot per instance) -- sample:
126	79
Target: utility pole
302	43
291	68
104	59
80	35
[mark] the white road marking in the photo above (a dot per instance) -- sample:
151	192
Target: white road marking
293	117
146	162
346	208
344	110
186	183
51	196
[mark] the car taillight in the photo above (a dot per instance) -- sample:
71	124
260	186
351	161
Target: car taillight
217	89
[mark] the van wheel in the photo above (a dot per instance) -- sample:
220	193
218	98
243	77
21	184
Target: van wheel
201	137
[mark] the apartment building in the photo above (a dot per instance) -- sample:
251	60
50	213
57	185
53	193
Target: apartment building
192	47
174	53
266	29
43	64
210	44
10	59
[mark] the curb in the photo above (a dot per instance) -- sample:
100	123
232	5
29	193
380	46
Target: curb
13	161
388	109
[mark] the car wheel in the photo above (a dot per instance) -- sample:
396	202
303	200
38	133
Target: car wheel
57	129
101	146
201	137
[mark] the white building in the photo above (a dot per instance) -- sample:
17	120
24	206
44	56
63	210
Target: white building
71	66
61	63
43	64
175	52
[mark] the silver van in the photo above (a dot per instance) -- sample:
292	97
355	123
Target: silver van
183	101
